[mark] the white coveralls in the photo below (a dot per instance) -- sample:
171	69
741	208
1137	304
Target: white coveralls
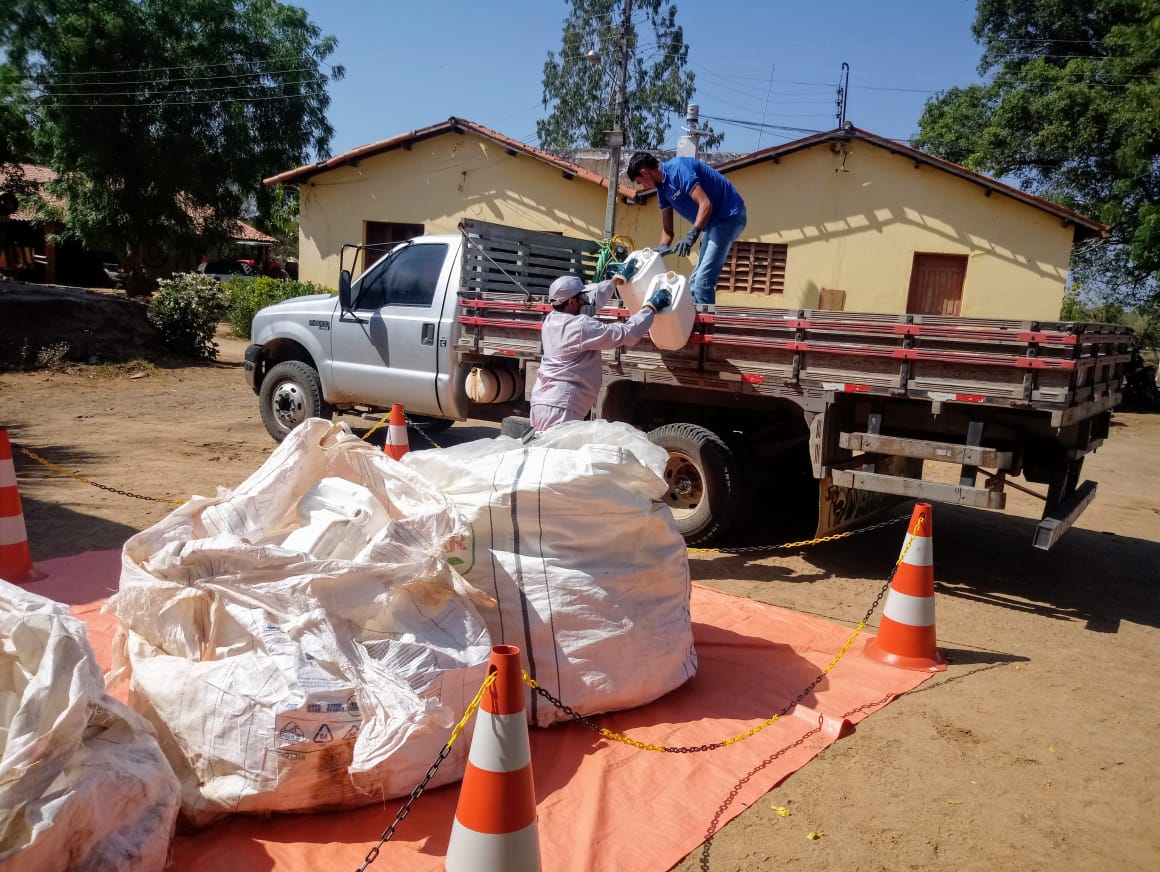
569	376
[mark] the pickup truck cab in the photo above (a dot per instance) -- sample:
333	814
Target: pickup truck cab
386	338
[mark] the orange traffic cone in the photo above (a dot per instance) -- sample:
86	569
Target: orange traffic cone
397	444
15	558
906	636
495	826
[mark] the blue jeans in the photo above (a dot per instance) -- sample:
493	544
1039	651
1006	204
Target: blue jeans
715	243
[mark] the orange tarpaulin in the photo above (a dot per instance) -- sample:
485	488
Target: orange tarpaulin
602	805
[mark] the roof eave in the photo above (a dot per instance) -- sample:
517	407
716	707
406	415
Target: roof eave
451	125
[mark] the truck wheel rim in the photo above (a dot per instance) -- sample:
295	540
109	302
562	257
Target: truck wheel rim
686	488
289	405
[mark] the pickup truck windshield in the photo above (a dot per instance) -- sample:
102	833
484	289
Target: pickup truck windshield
406	278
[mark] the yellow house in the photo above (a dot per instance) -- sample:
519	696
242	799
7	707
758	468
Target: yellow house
427	181
843	219
847	219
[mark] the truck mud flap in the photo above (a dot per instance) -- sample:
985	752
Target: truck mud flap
1052	528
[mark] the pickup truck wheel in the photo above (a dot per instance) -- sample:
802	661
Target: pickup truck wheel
291	393
703	478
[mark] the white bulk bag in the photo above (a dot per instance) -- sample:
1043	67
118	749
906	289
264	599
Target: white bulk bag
281	682
83	784
589	573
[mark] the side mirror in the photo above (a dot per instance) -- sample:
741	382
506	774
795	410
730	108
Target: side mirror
344	290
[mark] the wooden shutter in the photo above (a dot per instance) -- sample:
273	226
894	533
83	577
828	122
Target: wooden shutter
754	268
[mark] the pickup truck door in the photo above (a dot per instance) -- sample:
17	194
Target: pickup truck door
387	348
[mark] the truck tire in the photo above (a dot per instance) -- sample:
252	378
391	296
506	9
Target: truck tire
704	480
291	393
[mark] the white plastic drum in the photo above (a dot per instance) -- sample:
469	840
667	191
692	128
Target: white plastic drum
486	385
671	328
649	265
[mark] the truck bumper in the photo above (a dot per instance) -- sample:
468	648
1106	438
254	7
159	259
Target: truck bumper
250	365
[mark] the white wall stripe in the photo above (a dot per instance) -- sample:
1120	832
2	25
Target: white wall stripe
920	553
500	742
469	851
914	611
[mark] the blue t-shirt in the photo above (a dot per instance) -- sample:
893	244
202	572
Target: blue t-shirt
681	175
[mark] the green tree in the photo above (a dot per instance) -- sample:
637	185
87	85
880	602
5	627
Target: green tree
579	91
1070	110
162	117
281	221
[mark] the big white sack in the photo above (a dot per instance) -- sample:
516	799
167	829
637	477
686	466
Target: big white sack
83	784
588	570
278	682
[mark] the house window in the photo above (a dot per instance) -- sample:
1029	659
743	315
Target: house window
381	236
754	268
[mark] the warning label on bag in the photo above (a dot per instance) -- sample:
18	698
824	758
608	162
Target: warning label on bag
316	724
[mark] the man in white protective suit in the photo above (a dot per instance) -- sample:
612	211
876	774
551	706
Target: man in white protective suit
569	376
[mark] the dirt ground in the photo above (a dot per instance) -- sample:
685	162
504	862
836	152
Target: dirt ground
1036	749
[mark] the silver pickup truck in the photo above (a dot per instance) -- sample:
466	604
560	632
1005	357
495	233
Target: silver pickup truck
390	336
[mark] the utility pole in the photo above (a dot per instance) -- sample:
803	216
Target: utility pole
614	138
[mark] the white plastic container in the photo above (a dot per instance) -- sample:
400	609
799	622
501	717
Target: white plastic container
671	328
339	518
649	265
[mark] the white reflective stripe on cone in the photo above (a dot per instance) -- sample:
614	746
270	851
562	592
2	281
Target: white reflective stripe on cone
469	851
500	742
920	553
914	611
12	530
397	433
7	474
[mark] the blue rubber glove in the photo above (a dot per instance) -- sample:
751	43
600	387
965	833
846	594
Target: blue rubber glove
686	245
660	300
626	270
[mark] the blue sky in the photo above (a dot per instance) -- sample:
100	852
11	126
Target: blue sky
412	64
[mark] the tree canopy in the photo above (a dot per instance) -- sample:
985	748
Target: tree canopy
162	117
579	92
1070	110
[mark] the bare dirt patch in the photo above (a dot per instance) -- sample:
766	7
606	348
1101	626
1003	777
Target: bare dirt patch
1036	749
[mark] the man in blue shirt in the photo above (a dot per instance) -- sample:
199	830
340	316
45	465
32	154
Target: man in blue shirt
704	198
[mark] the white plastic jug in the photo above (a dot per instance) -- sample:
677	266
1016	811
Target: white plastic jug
649	264
339	518
671	328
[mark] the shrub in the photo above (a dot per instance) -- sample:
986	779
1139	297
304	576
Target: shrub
247	295
52	356
186	310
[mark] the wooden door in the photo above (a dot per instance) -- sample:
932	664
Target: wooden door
936	284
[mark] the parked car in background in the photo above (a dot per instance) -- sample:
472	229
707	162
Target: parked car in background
225	269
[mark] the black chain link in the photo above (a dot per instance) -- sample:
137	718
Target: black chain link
405	809
105	487
696	749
